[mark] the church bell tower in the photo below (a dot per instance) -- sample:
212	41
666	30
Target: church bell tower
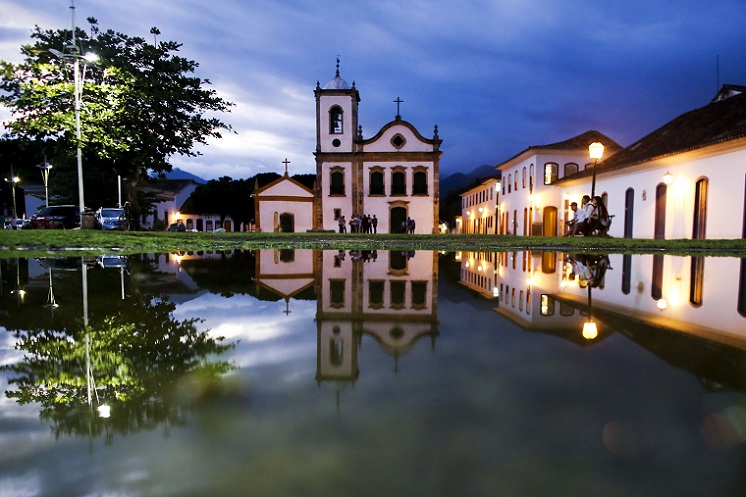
336	115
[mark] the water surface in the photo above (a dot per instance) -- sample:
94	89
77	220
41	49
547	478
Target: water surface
372	373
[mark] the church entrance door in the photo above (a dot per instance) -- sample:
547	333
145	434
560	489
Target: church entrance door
398	220
287	223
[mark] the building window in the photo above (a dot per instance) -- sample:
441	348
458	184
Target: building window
419	183
531	179
570	169
376	183
524	178
375	294
398	141
550	173
337	214
700	209
398	183
547	305
337	183
419	294
515	181
337	293
398	293
335	120
336	349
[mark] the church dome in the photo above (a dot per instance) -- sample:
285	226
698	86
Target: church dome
337	84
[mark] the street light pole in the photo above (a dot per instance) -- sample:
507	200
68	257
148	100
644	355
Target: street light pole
78	90
13	180
45	176
78	76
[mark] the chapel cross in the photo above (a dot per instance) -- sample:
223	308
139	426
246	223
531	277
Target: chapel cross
397	102
286	162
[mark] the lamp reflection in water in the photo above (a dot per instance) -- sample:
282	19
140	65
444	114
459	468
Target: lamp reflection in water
103	410
51	301
590	330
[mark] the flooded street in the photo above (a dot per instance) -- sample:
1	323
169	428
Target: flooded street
290	373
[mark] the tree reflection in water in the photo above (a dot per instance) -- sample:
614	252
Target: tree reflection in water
137	365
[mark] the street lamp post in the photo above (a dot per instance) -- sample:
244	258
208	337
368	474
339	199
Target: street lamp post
45	176
13	180
72	52
78	76
596	151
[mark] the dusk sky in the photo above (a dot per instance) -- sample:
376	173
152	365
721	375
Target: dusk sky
495	76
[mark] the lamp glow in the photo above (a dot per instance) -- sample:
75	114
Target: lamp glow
596	150
662	304
590	330
668	178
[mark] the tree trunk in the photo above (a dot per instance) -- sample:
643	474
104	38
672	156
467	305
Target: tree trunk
132	198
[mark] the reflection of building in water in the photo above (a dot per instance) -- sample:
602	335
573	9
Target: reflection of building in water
284	272
389	296
479	272
562	294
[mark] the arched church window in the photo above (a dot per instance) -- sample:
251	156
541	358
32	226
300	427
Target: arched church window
398	183
337	183
336	120
419	183
377	186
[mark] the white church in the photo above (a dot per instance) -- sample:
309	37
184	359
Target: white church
394	175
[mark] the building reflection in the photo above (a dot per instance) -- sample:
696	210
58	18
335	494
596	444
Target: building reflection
688	312
388	296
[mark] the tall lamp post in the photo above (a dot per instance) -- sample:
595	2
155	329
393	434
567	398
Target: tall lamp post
78	77
13	180
596	151
45	176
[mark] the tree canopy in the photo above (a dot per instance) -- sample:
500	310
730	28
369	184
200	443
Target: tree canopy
142	104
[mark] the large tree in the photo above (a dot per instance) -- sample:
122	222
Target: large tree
143	103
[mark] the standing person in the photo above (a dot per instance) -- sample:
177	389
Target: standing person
342	224
413	225
408	228
366	223
572	222
374	223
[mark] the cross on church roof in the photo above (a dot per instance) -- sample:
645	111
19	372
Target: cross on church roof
397	102
286	162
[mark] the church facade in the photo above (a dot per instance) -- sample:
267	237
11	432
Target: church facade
393	175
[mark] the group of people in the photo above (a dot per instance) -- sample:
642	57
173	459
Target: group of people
591	217
589	269
359	224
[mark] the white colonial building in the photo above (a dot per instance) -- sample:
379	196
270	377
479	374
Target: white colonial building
530	203
658	187
480	208
393	175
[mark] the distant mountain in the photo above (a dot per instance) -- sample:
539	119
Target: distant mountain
177	173
458	181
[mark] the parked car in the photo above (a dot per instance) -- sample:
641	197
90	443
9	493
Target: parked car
56	217
112	218
15	224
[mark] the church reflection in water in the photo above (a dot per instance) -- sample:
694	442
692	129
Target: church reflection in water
390	296
691	317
